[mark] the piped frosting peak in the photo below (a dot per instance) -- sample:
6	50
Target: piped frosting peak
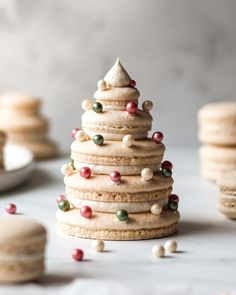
117	76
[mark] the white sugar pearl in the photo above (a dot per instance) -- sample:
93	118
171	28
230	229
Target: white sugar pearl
98	245
128	140
147	174
66	169
80	135
147	105
87	105
171	246
156	209
102	85
158	251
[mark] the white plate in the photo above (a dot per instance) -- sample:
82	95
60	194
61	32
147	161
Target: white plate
18	166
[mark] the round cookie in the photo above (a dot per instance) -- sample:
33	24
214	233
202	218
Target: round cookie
115	127
20	103
22	246
106	226
217	123
216	159
115	156
227	193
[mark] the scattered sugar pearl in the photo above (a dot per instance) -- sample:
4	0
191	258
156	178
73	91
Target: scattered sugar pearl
132	83
167	164
156	209
102	85
128	140
115	176
67	169
77	254
87	105
158	251
171	246
147	106
146	174
98	245
80	136
11	208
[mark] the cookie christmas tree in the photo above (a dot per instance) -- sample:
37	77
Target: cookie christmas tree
117	186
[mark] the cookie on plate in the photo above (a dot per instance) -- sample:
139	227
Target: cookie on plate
22	246
227	193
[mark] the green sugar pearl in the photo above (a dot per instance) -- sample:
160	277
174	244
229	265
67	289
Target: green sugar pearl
97	107
98	139
122	215
172	206
166	172
64	205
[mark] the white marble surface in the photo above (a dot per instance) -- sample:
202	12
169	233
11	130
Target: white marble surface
205	264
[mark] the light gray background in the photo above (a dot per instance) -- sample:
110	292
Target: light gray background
181	53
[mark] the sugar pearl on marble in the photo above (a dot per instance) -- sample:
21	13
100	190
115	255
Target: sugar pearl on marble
171	246
146	174
11	208
102	85
158	251
66	169
87	105
80	136
147	106
128	140
156	209
98	245
77	254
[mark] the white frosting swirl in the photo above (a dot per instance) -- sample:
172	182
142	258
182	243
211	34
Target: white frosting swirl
117	76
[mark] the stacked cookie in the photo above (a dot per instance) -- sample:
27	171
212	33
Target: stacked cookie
20	118
117	186
217	132
227	193
3	139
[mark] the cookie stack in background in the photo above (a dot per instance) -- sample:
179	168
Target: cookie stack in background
3	138
217	133
227	193
118	188
20	118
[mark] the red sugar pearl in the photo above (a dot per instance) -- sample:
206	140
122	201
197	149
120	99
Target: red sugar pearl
157	137
61	198
11	208
167	164
131	107
77	254
85	172
86	211
174	198
73	132
132	83
115	176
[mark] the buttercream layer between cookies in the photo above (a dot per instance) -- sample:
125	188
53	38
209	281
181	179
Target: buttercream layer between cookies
112	207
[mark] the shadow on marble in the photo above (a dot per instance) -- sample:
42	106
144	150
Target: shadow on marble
195	228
